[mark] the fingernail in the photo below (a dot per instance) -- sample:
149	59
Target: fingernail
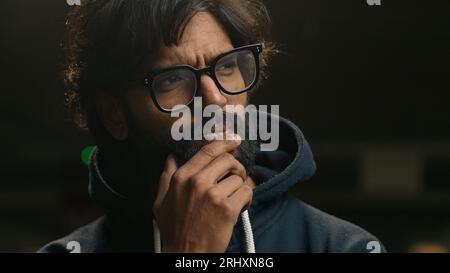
237	138
210	136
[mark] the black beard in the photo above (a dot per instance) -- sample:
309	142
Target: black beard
154	152
245	153
184	150
133	167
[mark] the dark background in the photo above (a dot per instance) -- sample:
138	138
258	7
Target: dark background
368	85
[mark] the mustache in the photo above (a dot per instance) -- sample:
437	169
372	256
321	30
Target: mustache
245	153
184	150
153	150
227	123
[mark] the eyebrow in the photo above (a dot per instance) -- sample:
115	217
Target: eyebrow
208	61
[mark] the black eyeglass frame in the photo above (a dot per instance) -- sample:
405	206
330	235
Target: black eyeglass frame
256	49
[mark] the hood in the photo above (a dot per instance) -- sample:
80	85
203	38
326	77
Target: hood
274	172
277	171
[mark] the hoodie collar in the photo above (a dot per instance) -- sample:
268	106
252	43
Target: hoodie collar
277	171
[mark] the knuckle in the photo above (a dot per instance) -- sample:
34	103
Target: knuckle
241	168
247	190
214	197
228	157
196	181
209	150
228	210
237	178
178	177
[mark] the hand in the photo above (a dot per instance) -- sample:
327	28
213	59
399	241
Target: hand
194	212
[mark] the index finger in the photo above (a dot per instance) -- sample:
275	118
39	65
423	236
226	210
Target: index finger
209	152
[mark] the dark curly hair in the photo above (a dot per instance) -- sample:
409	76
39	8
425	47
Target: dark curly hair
107	40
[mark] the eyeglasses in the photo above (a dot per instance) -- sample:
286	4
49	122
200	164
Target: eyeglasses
233	72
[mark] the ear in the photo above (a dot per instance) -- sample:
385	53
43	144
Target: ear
112	115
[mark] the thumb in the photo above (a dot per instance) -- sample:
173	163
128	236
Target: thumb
164	181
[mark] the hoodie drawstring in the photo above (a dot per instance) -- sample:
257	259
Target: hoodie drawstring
156	237
248	233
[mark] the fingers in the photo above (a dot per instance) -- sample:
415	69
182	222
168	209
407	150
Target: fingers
208	153
242	197
164	182
229	185
210	164
220	167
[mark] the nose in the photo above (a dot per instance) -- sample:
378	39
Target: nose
210	92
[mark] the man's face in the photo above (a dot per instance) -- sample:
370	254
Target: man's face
203	39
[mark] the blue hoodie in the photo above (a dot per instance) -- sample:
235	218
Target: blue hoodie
275	222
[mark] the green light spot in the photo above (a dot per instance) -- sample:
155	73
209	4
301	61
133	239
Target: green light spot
86	153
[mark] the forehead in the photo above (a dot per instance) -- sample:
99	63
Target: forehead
202	40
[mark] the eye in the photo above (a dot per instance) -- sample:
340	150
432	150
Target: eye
227	67
169	81
172	79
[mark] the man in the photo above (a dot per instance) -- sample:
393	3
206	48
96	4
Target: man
130	64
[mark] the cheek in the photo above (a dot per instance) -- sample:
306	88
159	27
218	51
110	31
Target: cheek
240	99
147	116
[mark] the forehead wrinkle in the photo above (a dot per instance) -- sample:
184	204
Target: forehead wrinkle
203	39
197	57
